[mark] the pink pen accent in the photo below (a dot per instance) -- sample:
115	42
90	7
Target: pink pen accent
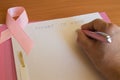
101	36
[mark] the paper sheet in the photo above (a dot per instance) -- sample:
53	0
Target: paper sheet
56	55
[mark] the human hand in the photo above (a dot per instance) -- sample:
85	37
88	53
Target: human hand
105	56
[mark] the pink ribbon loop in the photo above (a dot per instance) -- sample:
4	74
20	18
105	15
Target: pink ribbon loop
15	28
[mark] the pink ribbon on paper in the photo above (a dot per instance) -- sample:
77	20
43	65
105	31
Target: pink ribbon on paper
15	28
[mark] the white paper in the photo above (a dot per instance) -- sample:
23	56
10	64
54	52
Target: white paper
56	55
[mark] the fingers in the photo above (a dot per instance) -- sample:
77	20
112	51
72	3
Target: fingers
90	46
83	40
96	25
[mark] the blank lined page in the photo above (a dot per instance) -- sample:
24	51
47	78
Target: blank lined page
56	55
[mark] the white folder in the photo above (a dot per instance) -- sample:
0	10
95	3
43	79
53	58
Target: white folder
56	54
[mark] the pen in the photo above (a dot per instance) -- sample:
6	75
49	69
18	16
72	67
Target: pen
101	36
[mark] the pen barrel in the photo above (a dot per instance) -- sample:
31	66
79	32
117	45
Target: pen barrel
103	37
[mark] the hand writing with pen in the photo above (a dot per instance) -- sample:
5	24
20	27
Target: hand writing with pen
105	56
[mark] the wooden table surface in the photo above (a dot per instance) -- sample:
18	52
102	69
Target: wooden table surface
39	10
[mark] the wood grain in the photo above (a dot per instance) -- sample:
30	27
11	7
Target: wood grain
39	10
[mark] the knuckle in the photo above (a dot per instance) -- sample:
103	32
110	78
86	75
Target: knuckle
97	20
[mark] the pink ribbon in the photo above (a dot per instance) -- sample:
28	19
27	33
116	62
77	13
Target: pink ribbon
15	28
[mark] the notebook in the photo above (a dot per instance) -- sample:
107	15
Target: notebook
56	54
8	68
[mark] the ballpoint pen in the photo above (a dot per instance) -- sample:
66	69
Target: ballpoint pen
101	36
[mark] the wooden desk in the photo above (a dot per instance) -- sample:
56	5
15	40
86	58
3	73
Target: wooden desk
50	9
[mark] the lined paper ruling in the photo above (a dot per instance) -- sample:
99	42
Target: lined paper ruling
56	54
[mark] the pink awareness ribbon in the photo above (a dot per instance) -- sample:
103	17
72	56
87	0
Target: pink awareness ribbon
15	28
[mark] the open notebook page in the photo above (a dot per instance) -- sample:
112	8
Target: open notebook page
56	55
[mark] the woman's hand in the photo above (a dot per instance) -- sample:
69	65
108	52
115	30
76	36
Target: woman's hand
105	56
